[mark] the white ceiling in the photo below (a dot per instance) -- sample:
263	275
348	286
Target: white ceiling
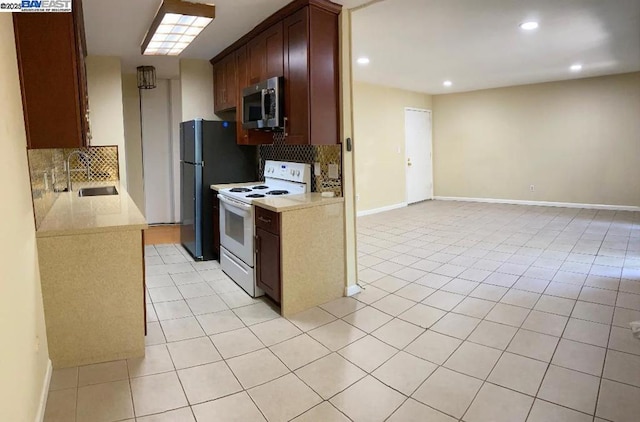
418	44
117	27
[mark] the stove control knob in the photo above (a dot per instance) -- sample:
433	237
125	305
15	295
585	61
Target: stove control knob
293	172
297	172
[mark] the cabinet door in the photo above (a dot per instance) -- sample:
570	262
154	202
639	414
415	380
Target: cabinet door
324	77
256	50
266	55
274	53
81	51
230	91
218	87
296	74
242	81
47	53
268	263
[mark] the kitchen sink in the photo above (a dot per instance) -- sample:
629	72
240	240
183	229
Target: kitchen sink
99	191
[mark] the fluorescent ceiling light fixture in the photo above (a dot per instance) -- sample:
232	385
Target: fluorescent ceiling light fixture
529	26
447	83
363	60
576	67
176	24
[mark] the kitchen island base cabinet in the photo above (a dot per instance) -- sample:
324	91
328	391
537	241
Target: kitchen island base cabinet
304	250
93	296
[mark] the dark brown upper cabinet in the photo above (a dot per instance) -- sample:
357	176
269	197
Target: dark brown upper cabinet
299	42
265	54
311	77
224	84
51	51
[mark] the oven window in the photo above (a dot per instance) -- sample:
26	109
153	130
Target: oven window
234	226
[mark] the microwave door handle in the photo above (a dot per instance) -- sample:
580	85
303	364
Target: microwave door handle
263	98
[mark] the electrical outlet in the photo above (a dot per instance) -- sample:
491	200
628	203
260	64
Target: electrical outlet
532	188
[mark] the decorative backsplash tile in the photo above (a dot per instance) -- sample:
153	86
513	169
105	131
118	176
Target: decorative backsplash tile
49	177
310	154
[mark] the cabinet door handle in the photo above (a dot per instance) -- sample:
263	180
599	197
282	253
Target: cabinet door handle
285	126
256	239
264	220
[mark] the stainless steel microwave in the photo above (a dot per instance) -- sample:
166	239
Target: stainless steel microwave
262	105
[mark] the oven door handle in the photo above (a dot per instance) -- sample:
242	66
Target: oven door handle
243	209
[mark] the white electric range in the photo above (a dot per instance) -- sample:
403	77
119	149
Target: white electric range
237	230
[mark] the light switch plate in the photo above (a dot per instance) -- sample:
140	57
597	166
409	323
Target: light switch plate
333	171
316	169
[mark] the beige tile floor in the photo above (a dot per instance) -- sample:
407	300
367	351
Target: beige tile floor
471	312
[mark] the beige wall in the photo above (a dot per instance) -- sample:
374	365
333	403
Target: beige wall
196	81
133	142
576	141
378	118
23	354
104	81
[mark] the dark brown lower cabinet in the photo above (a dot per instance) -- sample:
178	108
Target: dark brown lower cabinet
268	263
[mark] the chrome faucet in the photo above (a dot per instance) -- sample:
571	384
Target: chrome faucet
87	160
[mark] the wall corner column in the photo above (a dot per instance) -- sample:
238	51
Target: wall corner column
348	171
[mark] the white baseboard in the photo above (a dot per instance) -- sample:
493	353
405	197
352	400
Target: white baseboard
540	203
44	394
382	209
352	290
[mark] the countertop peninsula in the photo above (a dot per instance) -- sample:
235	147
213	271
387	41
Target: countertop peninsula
72	214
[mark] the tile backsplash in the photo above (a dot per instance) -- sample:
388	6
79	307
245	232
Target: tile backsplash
49	177
324	155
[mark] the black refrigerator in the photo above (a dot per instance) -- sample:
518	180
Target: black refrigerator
208	155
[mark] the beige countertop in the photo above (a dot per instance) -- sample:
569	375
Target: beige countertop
234	185
296	202
72	214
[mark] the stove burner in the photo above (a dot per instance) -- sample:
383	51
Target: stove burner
260	187
255	195
277	192
239	190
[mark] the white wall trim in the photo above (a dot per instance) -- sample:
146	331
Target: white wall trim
540	203
382	209
352	290
44	394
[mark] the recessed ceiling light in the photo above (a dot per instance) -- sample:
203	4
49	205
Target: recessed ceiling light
529	25
576	67
447	83
363	60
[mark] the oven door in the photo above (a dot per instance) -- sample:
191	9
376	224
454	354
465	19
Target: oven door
236	228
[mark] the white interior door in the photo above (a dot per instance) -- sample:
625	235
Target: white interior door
418	147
